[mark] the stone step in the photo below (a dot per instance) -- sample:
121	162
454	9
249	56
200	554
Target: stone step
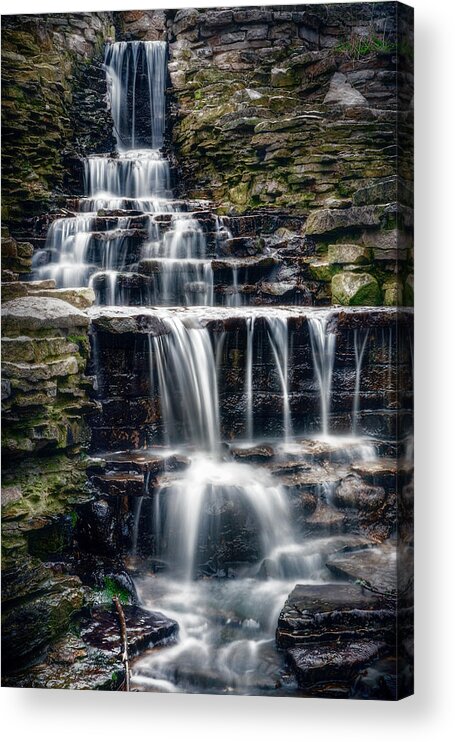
144	461
375	567
334	612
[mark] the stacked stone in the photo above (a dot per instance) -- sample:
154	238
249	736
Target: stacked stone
41	58
44	399
295	109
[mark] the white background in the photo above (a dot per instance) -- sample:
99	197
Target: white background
66	715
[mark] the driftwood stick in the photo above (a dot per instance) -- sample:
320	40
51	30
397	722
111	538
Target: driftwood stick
124	638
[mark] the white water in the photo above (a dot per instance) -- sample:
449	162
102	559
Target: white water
187	511
323	348
249	376
134	174
138	178
188	385
359	351
278	335
227	626
122	61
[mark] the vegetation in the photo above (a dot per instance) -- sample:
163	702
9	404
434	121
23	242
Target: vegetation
357	46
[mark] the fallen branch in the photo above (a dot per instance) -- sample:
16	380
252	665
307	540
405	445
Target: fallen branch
124	638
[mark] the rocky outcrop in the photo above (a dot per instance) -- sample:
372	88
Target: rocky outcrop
294	109
44	403
332	633
44	65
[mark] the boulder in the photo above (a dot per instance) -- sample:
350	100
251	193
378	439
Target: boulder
71	663
125	320
352	492
50	608
32	314
355	289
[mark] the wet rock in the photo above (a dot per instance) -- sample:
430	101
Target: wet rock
256	454
355	289
51	609
119	484
325	519
72	664
381	472
145	462
144	629
331	612
121	321
352	492
331	663
99	529
375	567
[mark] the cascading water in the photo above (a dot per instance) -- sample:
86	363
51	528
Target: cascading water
249	377
278	334
218	517
188	385
359	350
136	175
137	179
136	72
323	348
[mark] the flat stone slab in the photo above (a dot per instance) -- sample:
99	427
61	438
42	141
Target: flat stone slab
33	313
256	454
375	567
80	298
332	662
144	629
144	461
333	611
141	319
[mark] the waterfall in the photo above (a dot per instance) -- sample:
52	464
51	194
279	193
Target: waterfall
187	382
323	350
135	174
136	71
212	515
184	275
249	376
359	351
188	511
278	336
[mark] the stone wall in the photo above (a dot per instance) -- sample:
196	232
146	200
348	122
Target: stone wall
44	434
53	105
294	108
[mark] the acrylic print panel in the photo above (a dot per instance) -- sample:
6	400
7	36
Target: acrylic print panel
207	351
